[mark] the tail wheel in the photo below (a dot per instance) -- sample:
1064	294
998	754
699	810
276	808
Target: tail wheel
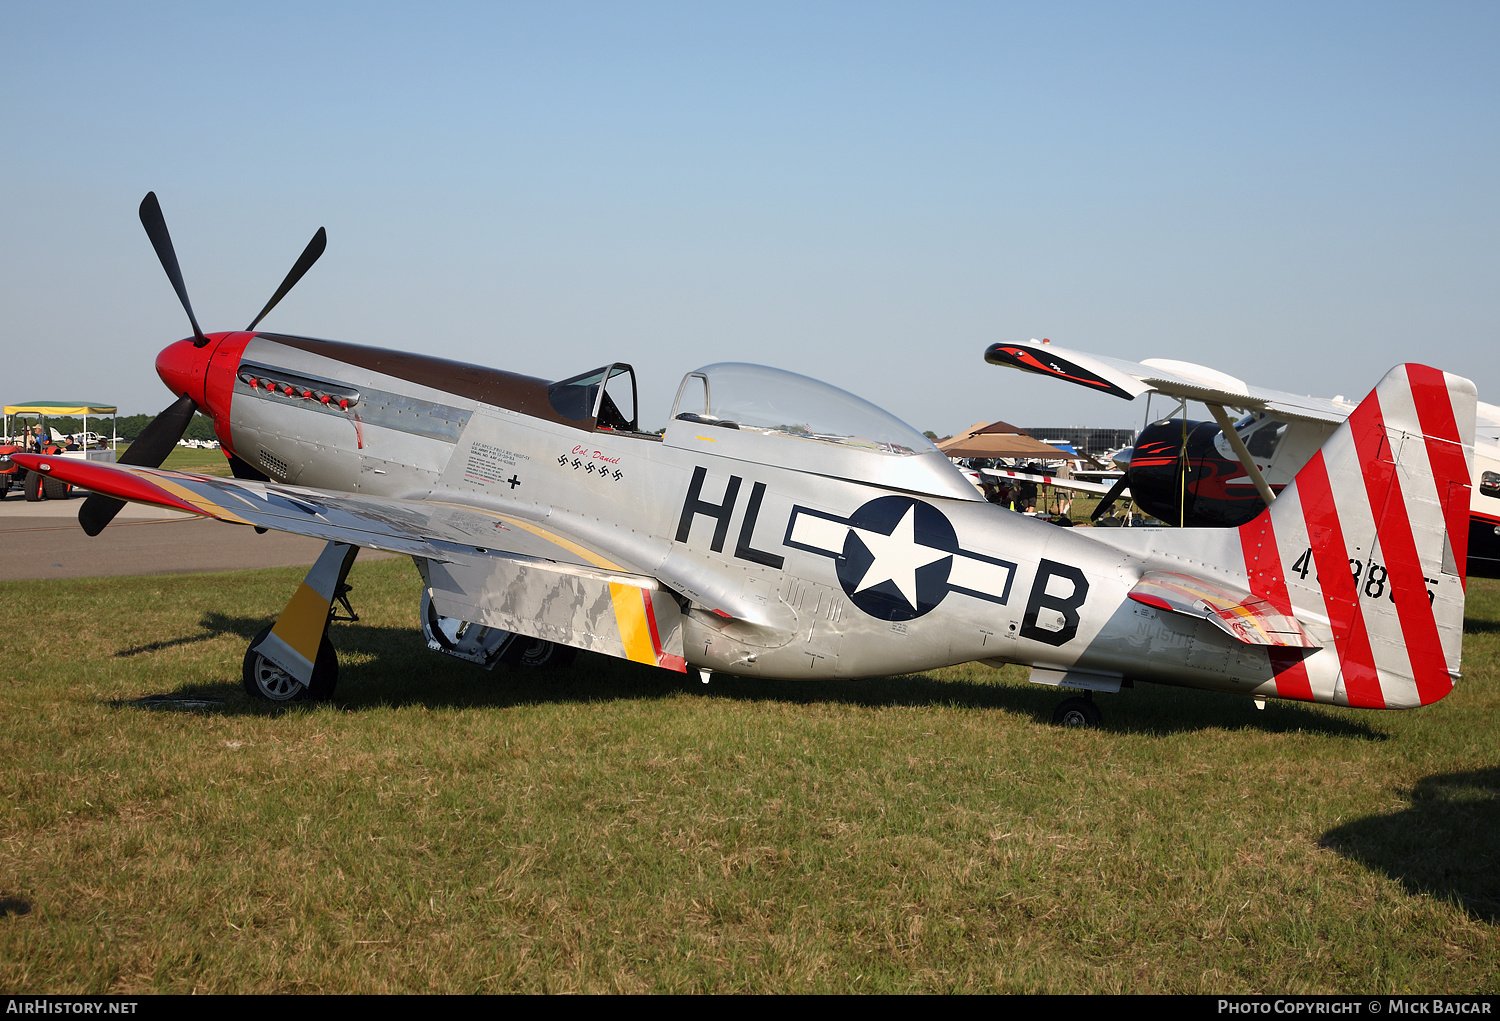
265	680
56	489
538	654
32	487
1077	712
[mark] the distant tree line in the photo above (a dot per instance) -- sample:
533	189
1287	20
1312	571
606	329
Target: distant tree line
129	427
200	428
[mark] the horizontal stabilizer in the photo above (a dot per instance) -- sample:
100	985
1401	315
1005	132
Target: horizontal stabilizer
1237	613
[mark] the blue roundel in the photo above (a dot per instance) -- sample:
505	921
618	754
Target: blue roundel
896	558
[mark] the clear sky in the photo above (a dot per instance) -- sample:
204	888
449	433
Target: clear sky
1299	194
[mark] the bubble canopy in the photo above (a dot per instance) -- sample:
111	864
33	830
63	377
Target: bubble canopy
770	416
741	396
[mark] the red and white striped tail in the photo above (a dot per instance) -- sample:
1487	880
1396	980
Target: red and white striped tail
1372	539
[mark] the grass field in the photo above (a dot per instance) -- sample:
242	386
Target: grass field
437	827
197	459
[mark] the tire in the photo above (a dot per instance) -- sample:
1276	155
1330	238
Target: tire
538	654
5	484
56	489
267	681
1077	712
31	486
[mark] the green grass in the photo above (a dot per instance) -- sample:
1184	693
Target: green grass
197	459
613	827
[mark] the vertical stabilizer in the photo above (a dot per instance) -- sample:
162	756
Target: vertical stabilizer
1372	538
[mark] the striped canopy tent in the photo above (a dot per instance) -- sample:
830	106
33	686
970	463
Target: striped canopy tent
60	409
999	439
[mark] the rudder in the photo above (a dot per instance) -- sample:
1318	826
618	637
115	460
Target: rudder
1372	537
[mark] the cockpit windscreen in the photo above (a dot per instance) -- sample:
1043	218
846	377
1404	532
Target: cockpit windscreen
772	401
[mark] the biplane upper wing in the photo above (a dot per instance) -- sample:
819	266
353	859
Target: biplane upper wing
500	569
1182	380
1487	422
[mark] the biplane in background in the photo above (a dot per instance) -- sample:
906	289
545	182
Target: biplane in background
1225	472
782	527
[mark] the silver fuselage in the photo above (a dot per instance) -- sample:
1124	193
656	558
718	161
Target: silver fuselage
748	535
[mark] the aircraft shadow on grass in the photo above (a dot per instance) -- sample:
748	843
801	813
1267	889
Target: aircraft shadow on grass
1481	626
384	666
1445	844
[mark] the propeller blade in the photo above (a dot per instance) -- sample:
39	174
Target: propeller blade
161	240
1114	494
310	255
149	450
160	436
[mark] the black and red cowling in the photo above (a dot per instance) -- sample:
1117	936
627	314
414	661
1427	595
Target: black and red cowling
1189	482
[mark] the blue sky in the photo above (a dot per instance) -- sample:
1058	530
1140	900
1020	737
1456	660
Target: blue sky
1299	194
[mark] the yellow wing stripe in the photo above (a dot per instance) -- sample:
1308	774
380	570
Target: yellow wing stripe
203	503
630	616
541	533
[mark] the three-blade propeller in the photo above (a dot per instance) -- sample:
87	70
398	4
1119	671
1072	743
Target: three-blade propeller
153	445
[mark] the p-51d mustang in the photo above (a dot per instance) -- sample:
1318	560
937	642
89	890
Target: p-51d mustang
784	528
1223	473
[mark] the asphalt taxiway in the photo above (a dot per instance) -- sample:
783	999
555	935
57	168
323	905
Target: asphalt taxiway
43	540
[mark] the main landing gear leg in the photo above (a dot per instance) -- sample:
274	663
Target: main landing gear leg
293	659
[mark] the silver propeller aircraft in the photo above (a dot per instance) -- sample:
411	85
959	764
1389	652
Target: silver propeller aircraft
784	528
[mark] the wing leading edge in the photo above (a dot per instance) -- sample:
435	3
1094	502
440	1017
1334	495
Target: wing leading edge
484	566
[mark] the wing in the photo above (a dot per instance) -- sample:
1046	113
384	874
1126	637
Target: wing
1487	422
1164	376
499	569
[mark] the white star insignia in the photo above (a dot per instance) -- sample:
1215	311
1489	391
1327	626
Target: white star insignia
897	557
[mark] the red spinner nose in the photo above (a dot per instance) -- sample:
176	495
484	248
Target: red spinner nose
183	368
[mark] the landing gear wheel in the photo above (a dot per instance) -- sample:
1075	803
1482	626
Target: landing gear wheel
31	486
538	654
56	489
265	680
1077	712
